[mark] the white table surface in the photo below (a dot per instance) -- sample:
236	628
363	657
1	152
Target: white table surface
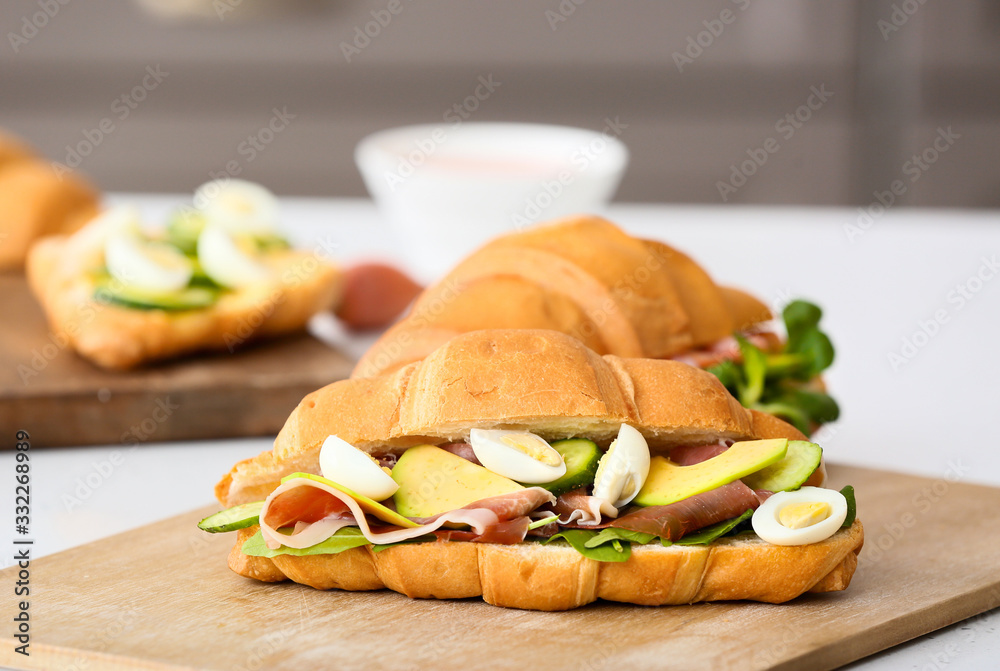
933	413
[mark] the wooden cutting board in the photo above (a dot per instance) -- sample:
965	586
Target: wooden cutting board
65	400
162	598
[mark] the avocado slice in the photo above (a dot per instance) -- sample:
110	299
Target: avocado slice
581	457
668	483
189	298
432	481
791	472
238	517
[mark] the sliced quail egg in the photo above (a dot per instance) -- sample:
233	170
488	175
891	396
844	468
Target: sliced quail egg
348	466
800	517
142	264
227	261
623	468
518	455
238	206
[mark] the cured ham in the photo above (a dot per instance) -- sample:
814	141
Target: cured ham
463	450
689	455
577	507
675	520
509	532
283	506
728	349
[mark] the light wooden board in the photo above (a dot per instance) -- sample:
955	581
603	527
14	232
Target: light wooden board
65	400
162	597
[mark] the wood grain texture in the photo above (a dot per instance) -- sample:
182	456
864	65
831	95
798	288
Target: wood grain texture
66	400
162	598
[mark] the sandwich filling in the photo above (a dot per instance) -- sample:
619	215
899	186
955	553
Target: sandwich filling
599	501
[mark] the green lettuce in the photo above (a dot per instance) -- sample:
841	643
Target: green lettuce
345	539
578	539
709	534
778	383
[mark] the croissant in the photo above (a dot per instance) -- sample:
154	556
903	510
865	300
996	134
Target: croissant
582	276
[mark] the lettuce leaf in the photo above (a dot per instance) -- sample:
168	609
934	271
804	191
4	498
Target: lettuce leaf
608	552
612	534
426	538
345	539
709	534
778	383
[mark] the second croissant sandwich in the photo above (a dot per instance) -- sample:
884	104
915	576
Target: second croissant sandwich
521	466
625	296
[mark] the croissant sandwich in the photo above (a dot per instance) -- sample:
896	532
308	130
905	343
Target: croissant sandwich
218	276
523	467
625	296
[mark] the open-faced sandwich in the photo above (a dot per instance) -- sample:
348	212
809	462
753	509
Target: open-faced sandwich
219	275
521	466
625	296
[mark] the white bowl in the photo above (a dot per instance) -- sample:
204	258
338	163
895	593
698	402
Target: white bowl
447	189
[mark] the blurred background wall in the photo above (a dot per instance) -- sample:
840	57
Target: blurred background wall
843	98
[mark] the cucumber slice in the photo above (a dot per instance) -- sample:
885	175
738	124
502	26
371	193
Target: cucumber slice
190	298
238	517
581	457
791	472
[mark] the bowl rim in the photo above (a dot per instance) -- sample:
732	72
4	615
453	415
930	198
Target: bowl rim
371	152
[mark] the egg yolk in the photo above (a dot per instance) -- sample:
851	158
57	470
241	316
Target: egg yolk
801	515
533	446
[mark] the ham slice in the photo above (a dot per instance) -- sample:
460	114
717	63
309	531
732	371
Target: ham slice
509	532
689	455
728	349
316	498
463	450
675	520
577	508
